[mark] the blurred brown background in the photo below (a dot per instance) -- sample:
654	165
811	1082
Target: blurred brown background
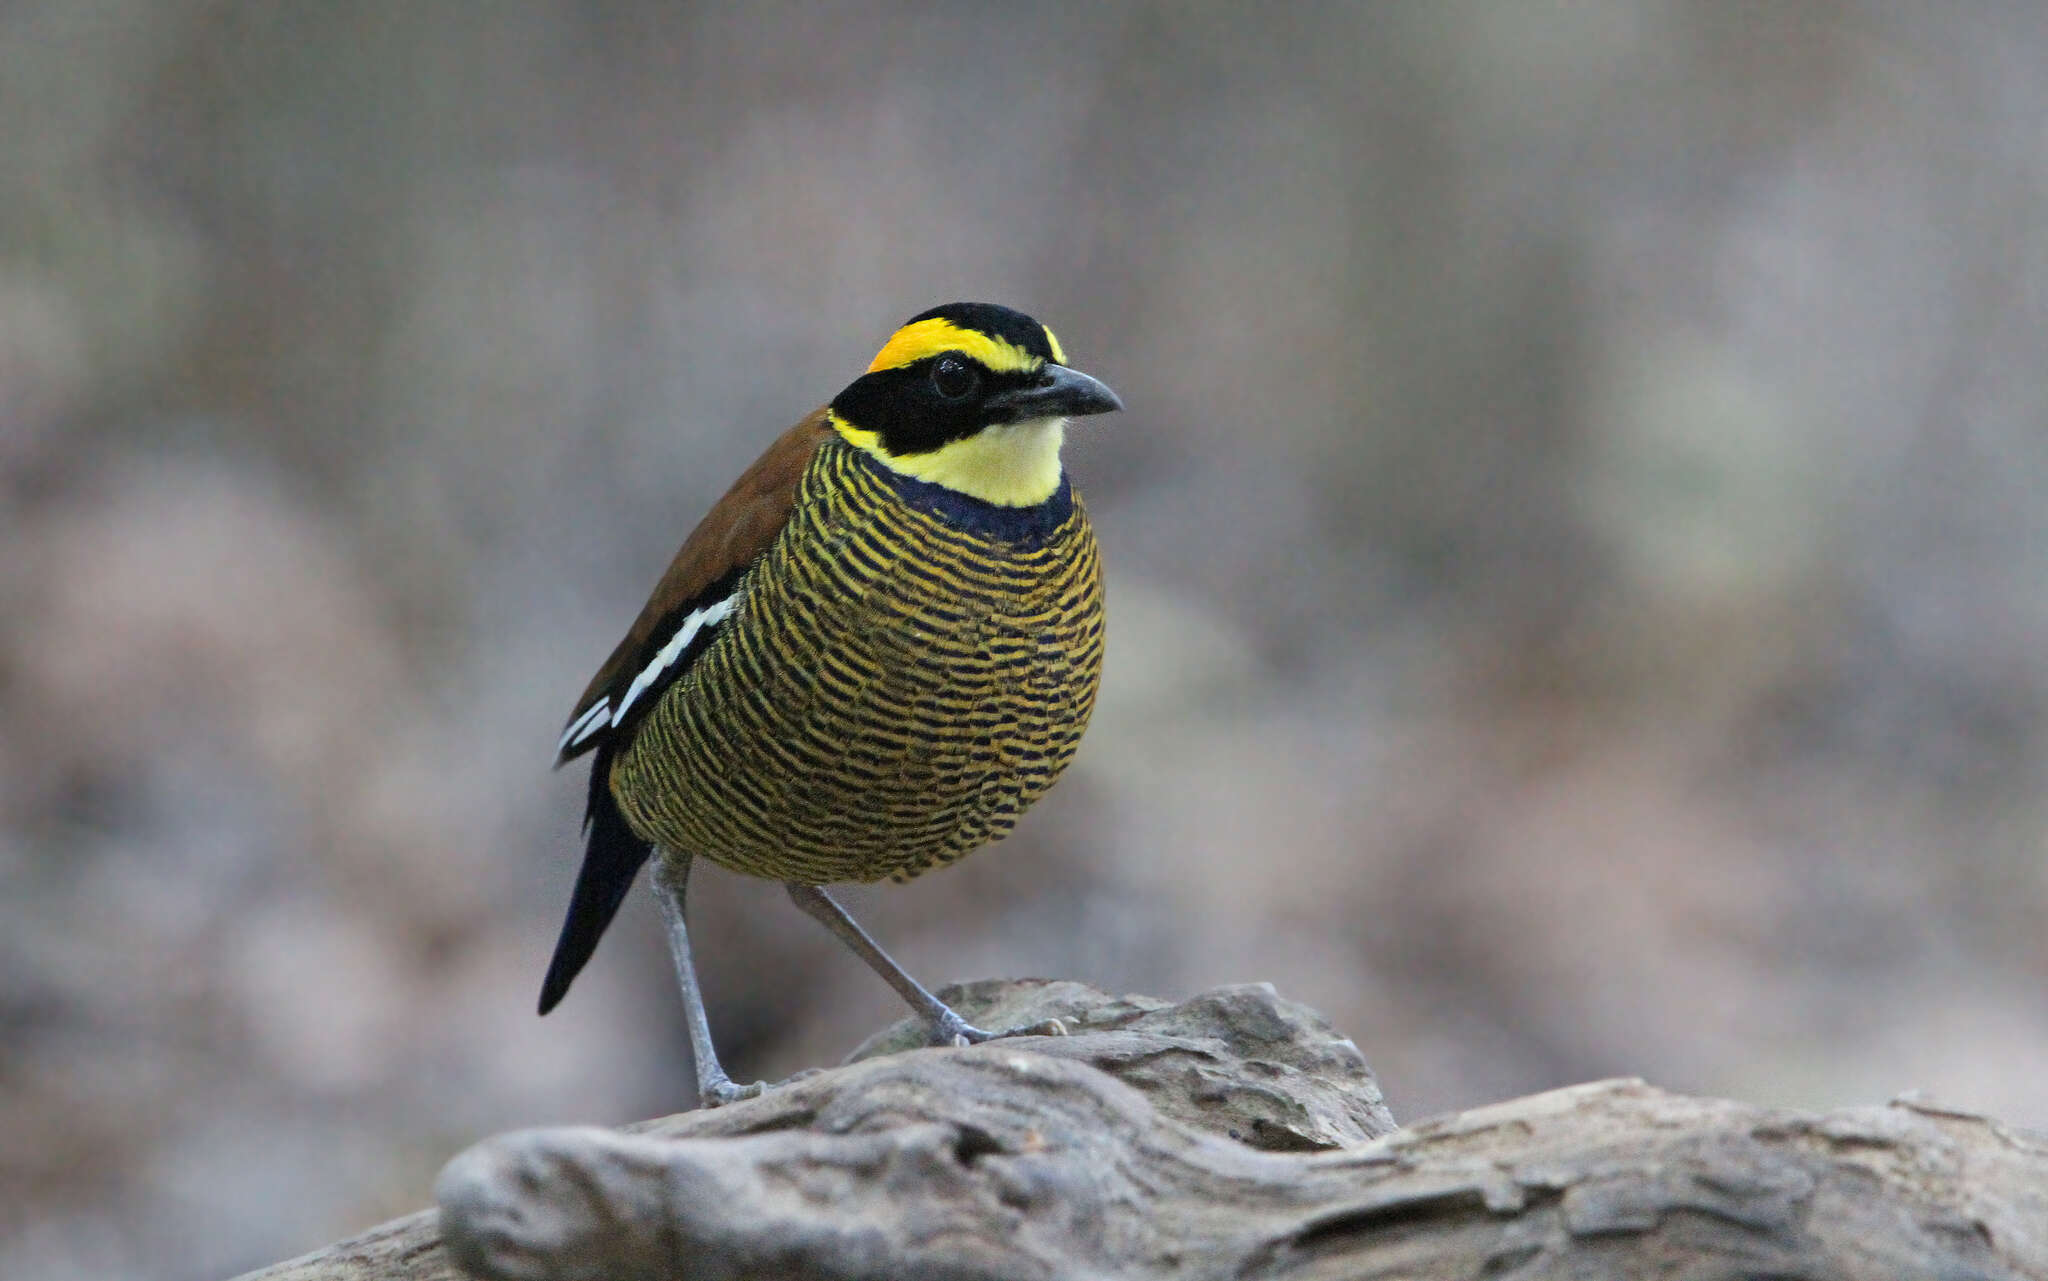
1579	572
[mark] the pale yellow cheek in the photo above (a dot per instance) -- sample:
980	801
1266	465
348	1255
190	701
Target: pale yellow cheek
1015	465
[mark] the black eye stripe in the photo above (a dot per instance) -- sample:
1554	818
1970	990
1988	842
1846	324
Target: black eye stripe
905	408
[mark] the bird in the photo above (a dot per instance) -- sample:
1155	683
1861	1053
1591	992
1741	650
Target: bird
874	653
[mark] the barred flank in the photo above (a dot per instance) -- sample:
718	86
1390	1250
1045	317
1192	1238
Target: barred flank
893	690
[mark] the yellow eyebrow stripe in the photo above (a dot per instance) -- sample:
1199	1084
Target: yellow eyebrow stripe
913	343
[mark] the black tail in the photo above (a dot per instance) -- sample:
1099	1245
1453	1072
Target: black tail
610	862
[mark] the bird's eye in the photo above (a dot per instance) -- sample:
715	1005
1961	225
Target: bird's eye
953	377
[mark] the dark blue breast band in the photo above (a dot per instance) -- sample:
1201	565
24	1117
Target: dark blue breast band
1021	526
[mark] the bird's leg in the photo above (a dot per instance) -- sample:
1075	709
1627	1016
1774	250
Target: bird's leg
714	1087
947	1027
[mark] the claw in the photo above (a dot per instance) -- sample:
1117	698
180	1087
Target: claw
718	1093
1044	1027
951	1029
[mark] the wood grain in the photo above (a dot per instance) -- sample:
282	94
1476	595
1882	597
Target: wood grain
1108	1153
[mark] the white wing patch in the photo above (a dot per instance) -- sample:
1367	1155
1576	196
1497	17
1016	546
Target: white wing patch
698	620
594	717
601	715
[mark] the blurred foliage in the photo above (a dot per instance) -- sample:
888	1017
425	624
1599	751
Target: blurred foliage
1579	578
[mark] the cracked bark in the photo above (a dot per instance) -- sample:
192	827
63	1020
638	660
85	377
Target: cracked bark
1233	1135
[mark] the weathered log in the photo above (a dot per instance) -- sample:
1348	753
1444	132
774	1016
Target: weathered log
1233	1135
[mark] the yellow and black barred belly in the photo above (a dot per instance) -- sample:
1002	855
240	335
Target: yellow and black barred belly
904	672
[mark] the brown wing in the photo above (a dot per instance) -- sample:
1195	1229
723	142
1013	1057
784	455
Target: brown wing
690	596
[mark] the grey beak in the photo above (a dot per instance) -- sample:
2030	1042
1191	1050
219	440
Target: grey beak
1059	392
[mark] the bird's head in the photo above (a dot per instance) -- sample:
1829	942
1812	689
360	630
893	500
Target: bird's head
974	397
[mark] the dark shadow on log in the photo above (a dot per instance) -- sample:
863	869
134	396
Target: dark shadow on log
1233	1135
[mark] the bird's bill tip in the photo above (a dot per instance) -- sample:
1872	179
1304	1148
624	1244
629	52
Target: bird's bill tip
1084	393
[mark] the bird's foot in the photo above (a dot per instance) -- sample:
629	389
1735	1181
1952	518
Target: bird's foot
950	1029
720	1090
